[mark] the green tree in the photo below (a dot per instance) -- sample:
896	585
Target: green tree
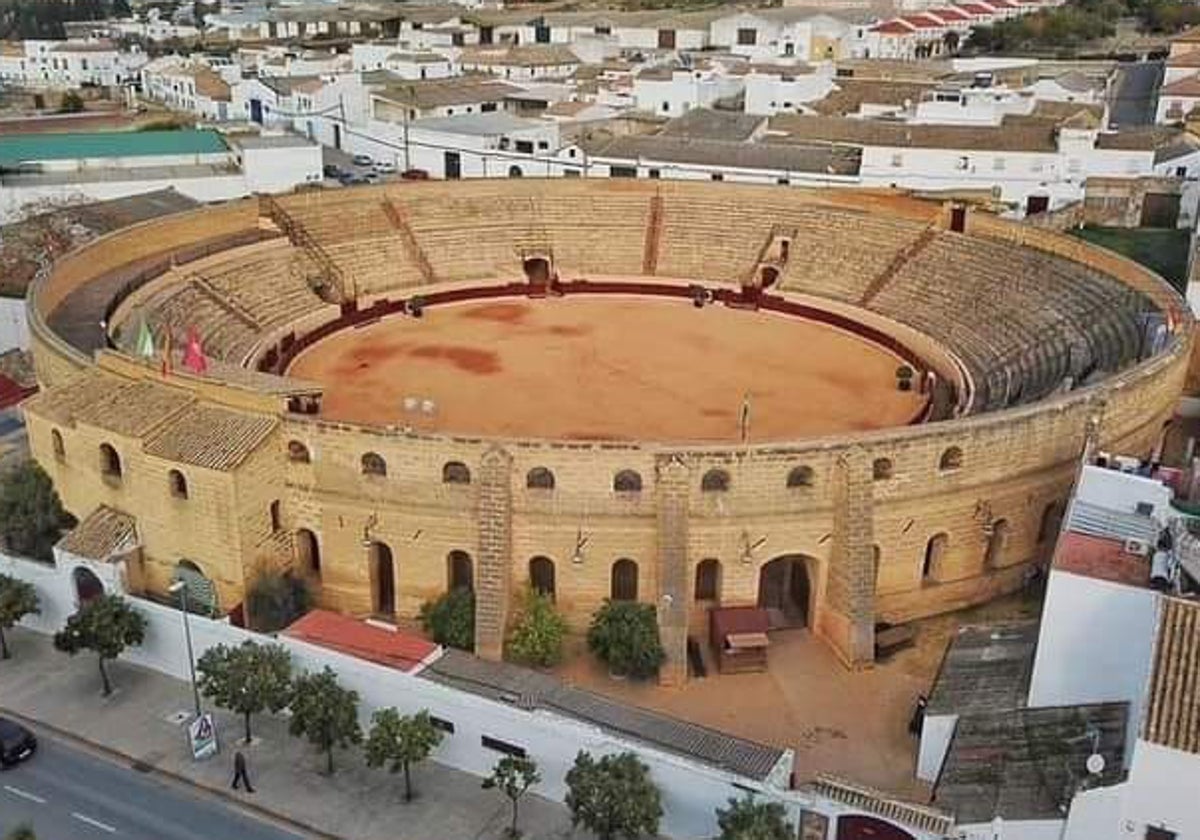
275	600
624	634
613	797
400	741
17	600
538	634
513	776
71	103
248	679
23	831
324	712
450	620
31	515
106	625
746	819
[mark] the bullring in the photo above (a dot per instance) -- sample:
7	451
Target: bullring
1023	346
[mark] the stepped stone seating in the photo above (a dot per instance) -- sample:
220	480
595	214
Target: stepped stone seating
1022	321
267	282
180	306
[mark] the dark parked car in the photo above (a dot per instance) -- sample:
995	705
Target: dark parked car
332	171
16	743
414	175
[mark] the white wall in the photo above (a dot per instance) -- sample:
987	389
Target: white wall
936	733
1017	830
280	169
1163	791
14	329
1120	491
1096	645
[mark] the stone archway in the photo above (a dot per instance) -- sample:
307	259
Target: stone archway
87	586
786	590
863	827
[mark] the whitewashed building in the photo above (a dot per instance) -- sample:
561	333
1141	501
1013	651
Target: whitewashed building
68	64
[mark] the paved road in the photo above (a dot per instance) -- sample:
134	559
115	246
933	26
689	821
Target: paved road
69	794
1135	94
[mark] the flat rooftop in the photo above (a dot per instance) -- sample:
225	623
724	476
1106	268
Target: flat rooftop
986	668
32	148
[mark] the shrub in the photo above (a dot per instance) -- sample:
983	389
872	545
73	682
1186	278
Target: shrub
537	637
31	515
613	797
72	103
275	600
624	634
746	819
450	620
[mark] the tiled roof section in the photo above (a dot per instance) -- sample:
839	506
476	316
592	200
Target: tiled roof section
986	668
393	648
1024	764
883	804
894	27
922	22
1008	137
707	124
948	14
135	410
823	159
1173	713
531	690
211	437
461	90
103	533
60	404
211	85
529	55
1187	59
850	95
1182	87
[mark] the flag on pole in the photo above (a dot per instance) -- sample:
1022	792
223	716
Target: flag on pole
193	354
145	341
744	418
166	356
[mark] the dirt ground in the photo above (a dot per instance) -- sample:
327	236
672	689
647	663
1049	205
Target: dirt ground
850	724
617	368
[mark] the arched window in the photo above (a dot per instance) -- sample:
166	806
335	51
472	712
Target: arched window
541	576
308	551
373	464
298	452
624	580
455	472
459	574
178	484
276	517
56	441
627	481
801	476
539	478
708	579
935	555
995	545
715	481
881	469
110	462
951	459
1051	522
514	172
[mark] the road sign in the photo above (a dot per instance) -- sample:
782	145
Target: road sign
202	737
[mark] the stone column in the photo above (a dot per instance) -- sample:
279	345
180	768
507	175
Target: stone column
847	620
494	556
673	483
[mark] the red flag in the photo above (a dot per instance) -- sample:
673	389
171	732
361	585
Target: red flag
193	356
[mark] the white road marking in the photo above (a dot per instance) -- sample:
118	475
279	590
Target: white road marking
93	823
24	794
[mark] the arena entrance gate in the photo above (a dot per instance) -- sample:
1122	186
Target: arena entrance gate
785	590
862	827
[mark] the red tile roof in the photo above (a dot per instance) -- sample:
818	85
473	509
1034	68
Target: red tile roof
976	10
894	27
1101	558
1002	4
393	648
12	392
947	14
921	21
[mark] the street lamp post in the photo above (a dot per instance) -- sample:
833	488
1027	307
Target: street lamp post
180	586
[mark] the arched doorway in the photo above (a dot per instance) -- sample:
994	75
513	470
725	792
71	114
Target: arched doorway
995	544
87	586
537	270
785	591
768	276
541	576
383	579
624	580
201	592
308	551
458	571
863	827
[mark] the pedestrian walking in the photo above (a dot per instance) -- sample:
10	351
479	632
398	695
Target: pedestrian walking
240	776
916	723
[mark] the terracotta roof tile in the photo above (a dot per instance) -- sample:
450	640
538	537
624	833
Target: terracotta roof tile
395	649
102	534
211	437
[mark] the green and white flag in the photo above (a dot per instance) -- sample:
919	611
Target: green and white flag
145	341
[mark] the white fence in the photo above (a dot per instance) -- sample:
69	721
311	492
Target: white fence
690	790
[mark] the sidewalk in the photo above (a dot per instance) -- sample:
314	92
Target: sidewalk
357	803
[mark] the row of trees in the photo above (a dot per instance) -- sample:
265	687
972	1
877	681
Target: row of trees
21	19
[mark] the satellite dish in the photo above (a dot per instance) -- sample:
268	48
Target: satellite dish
1095	764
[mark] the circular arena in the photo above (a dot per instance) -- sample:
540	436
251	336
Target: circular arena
845	407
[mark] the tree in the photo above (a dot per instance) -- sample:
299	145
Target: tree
106	625
624	634
538	634
31	515
513	776
324	712
400	742
248	679
613	797
23	831
17	600
72	103
746	819
275	600
450	620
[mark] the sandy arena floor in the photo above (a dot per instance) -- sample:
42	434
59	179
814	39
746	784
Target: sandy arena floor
612	368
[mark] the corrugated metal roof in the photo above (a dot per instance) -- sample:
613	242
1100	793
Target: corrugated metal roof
986	668
29	148
527	689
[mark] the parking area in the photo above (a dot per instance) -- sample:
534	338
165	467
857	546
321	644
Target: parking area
345	169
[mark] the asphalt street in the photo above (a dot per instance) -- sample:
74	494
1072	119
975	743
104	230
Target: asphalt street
68	794
1135	94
